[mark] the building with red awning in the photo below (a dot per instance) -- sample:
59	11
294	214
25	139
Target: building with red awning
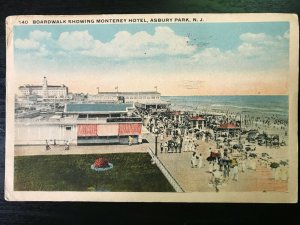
83	124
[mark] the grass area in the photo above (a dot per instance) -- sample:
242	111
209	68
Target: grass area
131	172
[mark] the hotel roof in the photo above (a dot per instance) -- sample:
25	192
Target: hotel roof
197	118
96	108
40	86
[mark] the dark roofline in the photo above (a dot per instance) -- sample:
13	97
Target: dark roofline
57	85
40	86
34	86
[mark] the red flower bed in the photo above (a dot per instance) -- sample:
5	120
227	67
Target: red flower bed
101	163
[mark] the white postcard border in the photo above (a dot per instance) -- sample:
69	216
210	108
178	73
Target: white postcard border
251	197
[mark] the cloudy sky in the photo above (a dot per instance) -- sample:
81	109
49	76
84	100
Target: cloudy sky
181	59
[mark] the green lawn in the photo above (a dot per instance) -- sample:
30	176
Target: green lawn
131	172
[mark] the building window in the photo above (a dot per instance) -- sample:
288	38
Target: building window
68	128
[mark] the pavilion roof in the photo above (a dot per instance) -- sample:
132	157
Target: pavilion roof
227	126
177	113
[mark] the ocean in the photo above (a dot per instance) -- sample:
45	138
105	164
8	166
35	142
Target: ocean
269	105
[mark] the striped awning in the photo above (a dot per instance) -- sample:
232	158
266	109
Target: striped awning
107	129
130	129
84	130
93	130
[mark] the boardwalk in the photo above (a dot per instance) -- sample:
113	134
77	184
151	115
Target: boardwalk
197	179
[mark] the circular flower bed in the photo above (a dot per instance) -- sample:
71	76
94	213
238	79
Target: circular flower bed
101	164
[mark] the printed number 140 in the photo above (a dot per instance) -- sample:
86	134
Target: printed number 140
23	22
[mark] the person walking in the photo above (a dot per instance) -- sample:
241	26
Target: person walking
235	172
67	145
47	145
161	137
130	140
200	163
166	147
180	143
216	179
194	160
161	148
140	139
226	171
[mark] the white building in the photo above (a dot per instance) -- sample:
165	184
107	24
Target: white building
46	91
129	97
81	124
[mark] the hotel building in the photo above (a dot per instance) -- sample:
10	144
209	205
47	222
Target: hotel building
45	91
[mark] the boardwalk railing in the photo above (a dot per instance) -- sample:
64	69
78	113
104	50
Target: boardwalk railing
165	172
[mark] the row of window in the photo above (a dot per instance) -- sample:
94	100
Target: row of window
130	97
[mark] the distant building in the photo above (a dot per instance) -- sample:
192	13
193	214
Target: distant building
141	99
227	129
198	122
129	97
45	91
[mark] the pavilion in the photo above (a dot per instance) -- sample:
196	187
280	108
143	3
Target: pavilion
228	128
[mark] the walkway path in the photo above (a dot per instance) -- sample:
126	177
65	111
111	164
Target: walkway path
93	149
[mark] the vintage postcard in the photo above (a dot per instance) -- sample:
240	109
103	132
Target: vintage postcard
152	108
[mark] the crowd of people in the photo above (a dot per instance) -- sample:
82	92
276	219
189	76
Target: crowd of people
66	144
223	162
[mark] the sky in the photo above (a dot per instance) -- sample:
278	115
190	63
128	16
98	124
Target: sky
180	59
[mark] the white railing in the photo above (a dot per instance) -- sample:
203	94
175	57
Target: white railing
165	172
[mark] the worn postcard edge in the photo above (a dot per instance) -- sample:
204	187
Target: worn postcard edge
250	197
